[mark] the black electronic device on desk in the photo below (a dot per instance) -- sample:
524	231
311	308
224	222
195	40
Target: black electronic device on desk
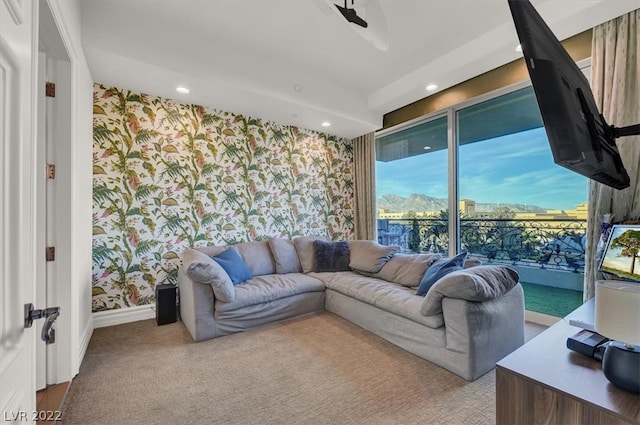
588	343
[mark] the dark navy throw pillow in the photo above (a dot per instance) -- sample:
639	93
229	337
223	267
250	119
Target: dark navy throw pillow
331	256
439	269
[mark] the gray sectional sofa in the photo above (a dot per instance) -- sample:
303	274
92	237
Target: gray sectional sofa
468	320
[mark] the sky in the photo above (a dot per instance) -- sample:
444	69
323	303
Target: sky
513	169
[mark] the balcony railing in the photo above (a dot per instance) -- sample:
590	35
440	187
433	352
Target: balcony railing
544	243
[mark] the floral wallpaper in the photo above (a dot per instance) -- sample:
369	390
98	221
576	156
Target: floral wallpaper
169	175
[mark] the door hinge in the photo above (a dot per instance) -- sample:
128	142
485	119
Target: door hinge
51	172
50	254
50	89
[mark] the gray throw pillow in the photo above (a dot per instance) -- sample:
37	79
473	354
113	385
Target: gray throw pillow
477	284
406	269
471	262
304	248
330	256
212	250
369	256
203	269
285	256
257	256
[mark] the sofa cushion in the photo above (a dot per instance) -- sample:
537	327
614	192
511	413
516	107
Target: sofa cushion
330	256
439	269
285	256
407	269
480	283
232	263
257	256
304	248
388	296
370	256
212	250
269	287
203	269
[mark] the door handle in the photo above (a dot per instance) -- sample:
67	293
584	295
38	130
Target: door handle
48	333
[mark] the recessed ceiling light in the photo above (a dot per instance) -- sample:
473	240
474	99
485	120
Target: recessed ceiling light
519	48
326	124
182	90
431	87
426	148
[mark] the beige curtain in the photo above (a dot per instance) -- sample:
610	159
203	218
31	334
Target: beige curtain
615	79
364	167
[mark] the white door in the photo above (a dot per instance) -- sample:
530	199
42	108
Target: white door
17	199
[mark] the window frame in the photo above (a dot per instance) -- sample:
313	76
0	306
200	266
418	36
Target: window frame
452	146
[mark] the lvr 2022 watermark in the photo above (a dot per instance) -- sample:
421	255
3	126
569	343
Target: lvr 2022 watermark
33	416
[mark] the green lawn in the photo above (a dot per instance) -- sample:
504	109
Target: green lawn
549	300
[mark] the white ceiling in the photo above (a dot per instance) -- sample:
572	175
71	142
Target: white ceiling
298	62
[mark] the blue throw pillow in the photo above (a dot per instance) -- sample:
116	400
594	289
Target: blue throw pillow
439	269
232	263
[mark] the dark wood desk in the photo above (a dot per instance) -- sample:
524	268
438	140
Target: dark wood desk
543	382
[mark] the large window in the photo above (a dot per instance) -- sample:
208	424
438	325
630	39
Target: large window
412	183
490	160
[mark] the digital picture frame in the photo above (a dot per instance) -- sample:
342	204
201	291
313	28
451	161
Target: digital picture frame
621	256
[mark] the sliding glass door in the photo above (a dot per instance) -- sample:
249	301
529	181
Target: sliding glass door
412	180
516	206
490	158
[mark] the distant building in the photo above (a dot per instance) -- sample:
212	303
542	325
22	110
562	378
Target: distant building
579	213
383	213
582	210
468	207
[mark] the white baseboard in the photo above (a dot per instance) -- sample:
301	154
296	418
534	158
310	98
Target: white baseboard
119	316
85	338
540	318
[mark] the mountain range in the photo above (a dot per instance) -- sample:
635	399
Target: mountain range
418	202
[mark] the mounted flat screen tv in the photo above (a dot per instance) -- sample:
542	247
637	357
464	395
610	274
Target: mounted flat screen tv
579	137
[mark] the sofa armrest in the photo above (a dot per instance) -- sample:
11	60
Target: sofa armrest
488	330
477	284
196	307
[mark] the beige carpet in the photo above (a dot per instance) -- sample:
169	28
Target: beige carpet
318	369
